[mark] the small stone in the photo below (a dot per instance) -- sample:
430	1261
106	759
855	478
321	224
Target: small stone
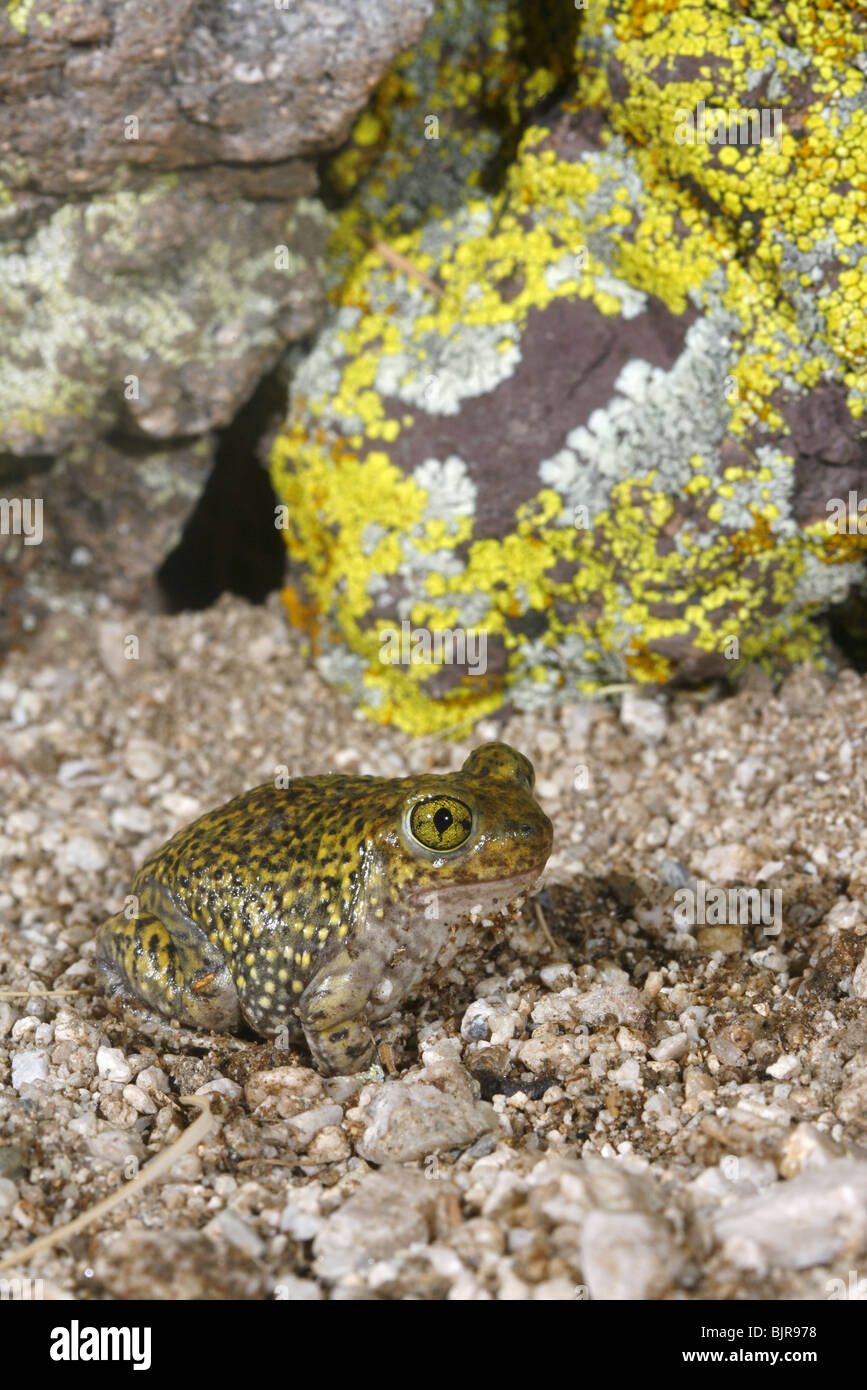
726	1051
674	874
786	1065
134	819
620	1001
389	1211
806	1147
153	1079
730	863
628	1255
843	916
81	852
806	1221
670	1048
657	832
8	1196
558	976
235	1230
697	1083
112	1064
643	717
309	1122
115	1146
143	760
329	1145
408	1121
488	1022
28	1066
139	1100
297	1220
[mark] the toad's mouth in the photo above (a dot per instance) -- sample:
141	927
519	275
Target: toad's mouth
459	899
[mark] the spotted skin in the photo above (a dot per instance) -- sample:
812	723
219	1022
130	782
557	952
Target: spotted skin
326	902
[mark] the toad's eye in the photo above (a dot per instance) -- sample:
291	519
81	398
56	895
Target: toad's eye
441	823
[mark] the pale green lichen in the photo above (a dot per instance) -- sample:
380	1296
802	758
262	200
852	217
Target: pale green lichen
75	333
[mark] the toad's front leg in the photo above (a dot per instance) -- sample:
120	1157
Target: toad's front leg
333	1012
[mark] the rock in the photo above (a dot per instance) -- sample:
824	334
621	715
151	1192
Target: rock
112	1064
411	1119
806	1147
628	1255
310	1122
82	852
730	863
656	506
487	1021
786	1065
670	1049
234	1229
28	1066
807	1220
143	760
144	208
389	1211
644	718
328	1145
621	1002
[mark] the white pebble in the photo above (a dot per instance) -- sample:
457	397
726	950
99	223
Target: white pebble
143	761
28	1066
135	819
786	1065
112	1064
80	852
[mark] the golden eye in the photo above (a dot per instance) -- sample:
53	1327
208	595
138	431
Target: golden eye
442	823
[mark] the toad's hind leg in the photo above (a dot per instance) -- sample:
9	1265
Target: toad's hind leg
172	967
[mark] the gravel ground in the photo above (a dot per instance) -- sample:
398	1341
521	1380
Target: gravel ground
591	1098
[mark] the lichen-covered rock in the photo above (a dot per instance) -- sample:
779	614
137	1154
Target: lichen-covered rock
158	242
598	416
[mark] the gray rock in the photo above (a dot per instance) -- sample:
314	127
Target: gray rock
808	1220
28	1066
153	158
628	1255
390	1210
411	1120
234	1229
644	717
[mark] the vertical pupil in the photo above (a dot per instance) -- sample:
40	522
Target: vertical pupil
442	820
